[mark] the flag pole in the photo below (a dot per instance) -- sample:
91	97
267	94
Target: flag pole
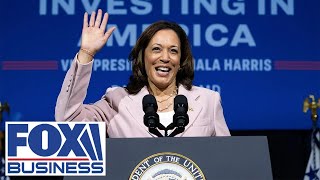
315	143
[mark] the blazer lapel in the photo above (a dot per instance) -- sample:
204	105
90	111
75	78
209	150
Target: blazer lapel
194	106
134	107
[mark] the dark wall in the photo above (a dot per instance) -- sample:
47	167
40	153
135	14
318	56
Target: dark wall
289	151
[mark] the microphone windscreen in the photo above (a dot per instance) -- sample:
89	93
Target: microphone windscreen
180	101
149	101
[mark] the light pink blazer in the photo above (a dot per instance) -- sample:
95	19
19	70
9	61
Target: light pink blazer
123	113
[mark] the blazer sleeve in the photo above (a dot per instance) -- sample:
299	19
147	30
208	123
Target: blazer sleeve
220	125
69	105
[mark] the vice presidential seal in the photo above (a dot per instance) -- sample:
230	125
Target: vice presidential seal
167	166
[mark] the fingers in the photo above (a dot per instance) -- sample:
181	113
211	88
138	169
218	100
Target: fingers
98	19
104	22
109	32
85	20
95	22
92	19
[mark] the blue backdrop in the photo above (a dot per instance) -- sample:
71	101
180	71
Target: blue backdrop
262	56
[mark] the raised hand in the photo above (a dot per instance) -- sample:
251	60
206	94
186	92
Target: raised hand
93	36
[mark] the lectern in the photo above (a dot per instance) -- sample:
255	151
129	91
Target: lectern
209	158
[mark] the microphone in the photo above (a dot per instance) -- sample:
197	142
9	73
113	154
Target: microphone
151	118
180	118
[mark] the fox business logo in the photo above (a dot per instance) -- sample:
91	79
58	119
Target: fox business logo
55	149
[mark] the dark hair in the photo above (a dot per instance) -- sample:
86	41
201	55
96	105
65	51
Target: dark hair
139	78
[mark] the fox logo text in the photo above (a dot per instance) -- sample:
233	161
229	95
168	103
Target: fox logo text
52	148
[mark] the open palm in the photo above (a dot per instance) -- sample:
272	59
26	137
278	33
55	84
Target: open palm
94	36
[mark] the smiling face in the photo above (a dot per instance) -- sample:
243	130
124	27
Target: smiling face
162	59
